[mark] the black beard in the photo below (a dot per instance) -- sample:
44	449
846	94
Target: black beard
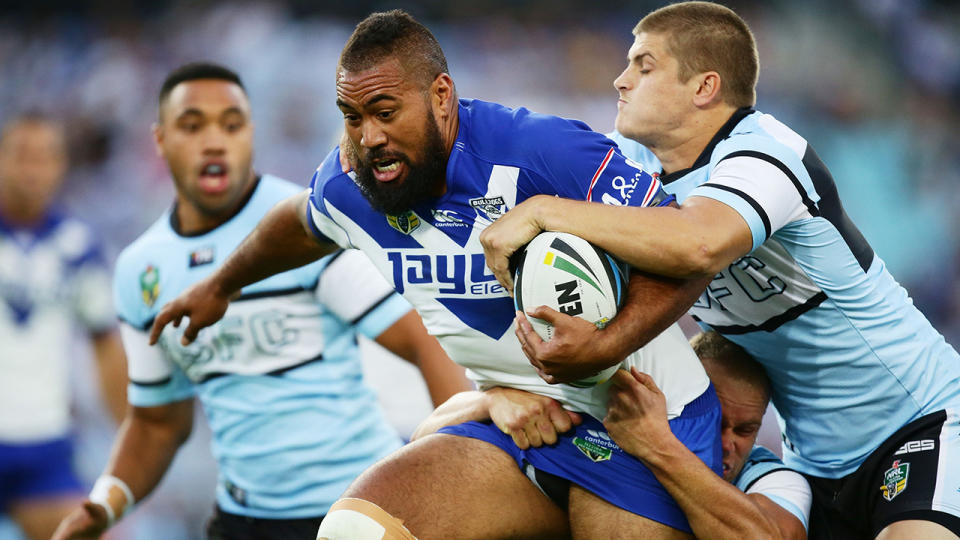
421	182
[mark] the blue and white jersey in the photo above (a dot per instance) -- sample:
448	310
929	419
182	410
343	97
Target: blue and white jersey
53	280
279	376
433	256
764	473
850	358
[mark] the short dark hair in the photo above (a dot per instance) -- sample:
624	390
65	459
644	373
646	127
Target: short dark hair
195	71
704	36
394	34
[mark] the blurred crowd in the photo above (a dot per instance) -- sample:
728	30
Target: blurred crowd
874	85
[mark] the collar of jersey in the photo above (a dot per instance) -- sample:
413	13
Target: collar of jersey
704	156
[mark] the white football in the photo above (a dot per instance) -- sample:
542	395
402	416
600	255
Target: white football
572	276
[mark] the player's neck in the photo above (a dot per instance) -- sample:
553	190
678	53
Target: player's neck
22	216
191	220
690	140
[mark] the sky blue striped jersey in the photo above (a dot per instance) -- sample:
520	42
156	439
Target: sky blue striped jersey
279	376
850	358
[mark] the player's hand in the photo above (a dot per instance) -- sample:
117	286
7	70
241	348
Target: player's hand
87	521
636	413
575	352
348	153
509	233
203	304
529	419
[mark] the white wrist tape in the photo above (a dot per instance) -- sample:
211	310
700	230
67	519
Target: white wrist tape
113	495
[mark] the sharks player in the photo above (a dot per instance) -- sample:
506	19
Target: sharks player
867	390
280	377
432	172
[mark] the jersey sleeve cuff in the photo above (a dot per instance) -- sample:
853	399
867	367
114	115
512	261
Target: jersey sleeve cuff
743	204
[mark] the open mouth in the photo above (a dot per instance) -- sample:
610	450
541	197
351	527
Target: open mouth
387	170
213	178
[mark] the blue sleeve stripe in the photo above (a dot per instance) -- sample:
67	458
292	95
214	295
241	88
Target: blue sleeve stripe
370	309
148	384
765	473
142	327
811	207
268	294
753	204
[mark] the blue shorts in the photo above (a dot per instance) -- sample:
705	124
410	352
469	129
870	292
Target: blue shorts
31	471
588	457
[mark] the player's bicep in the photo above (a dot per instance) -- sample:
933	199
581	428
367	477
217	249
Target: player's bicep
353	289
153	379
785	495
763	190
719	226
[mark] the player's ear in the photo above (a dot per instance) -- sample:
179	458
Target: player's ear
442	95
157	129
708	88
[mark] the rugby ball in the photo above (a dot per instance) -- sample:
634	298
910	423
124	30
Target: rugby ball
569	274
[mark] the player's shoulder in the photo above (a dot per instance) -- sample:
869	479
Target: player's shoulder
760	463
73	239
522	137
635	151
762	136
329	173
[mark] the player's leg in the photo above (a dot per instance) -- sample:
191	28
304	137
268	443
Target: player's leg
913	529
593	518
38	518
446	486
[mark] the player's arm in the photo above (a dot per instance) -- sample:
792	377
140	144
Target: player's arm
579	349
408	339
697	239
281	241
112	371
530	419
146	444
636	420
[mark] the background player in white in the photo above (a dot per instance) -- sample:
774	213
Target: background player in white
280	377
53	279
433	171
866	389
770	500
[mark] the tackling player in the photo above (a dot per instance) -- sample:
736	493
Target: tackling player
280	377
867	390
770	501
432	172
52	278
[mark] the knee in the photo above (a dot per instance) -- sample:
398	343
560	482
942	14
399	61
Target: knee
357	519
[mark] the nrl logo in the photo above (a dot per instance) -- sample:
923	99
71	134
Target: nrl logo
490	208
595	452
405	223
150	285
895	480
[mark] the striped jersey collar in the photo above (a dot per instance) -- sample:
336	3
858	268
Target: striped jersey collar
704	156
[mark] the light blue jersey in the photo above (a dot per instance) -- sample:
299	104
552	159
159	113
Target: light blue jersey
432	253
850	358
764	473
279	376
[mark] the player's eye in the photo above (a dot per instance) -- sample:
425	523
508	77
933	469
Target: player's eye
385	115
190	127
351	117
233	126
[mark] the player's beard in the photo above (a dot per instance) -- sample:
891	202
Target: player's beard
422	180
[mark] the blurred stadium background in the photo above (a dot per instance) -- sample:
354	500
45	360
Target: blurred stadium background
874	85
